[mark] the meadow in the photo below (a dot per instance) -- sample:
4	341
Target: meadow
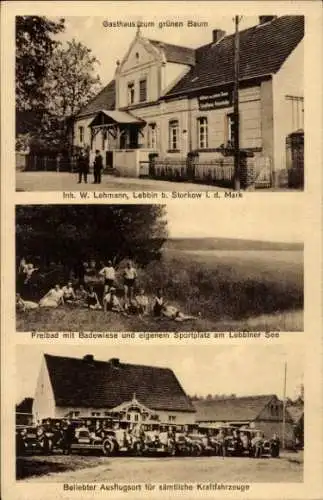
250	288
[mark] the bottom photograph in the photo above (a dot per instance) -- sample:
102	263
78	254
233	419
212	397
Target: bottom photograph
158	413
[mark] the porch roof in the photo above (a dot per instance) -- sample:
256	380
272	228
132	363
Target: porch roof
111	117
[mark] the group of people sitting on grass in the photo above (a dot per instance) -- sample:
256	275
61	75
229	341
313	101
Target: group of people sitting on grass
133	300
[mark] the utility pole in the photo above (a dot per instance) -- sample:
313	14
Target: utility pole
236	105
284	407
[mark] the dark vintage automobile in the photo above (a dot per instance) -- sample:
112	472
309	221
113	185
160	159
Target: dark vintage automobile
31	440
158	442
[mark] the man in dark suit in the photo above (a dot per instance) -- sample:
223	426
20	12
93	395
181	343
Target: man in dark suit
83	166
97	167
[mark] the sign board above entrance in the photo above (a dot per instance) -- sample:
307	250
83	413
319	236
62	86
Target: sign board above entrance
215	101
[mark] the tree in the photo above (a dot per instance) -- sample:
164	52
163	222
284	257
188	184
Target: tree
70	233
70	83
34	48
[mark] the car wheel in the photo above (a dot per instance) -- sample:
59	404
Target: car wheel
107	447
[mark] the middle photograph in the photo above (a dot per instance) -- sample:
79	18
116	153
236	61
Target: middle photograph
158	268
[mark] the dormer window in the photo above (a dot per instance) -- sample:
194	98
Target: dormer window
143	90
131	93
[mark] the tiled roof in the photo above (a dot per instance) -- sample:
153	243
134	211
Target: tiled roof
104	384
103	100
231	409
176	53
263	50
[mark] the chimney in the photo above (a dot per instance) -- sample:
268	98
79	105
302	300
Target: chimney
114	362
88	358
266	19
217	35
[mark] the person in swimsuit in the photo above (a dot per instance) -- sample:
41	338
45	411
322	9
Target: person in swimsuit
92	300
129	276
53	298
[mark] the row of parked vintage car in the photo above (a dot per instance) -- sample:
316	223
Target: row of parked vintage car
63	436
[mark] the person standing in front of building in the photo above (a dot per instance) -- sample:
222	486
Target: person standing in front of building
97	167
82	166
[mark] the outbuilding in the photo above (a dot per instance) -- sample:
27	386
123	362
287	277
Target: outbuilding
263	412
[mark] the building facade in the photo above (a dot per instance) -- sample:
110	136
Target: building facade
81	388
176	100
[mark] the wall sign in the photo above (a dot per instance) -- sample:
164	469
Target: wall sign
215	101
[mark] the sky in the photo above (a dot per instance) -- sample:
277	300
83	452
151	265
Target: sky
244	369
247	218
111	44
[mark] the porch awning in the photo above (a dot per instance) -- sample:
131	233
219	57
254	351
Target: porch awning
112	117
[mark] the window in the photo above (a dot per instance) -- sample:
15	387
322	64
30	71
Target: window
81	134
171	418
295	112
143	90
152	136
174	135
202	133
230	129
131	93
95	414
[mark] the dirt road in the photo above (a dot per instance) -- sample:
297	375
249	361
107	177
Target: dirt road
288	468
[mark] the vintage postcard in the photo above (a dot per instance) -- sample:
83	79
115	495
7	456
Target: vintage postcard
161	250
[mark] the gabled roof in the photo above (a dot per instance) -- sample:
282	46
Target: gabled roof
25	406
231	409
106	384
103	100
116	116
263	50
175	53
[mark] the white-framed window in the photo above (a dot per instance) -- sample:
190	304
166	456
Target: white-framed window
202	133
131	93
81	134
174	135
171	418
143	90
152	136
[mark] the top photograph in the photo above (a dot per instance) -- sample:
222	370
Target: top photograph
178	104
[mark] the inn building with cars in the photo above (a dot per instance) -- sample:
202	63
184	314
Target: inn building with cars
81	388
170	103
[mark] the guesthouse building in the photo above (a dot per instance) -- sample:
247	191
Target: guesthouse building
82	388
176	102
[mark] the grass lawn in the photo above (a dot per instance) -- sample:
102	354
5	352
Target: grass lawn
227	290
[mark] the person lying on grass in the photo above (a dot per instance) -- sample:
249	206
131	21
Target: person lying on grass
163	310
25	305
92	300
111	302
53	298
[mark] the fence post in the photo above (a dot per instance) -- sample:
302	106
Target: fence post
58	161
45	163
247	170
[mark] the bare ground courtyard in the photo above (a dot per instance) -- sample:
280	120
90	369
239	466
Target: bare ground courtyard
64	181
288	468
